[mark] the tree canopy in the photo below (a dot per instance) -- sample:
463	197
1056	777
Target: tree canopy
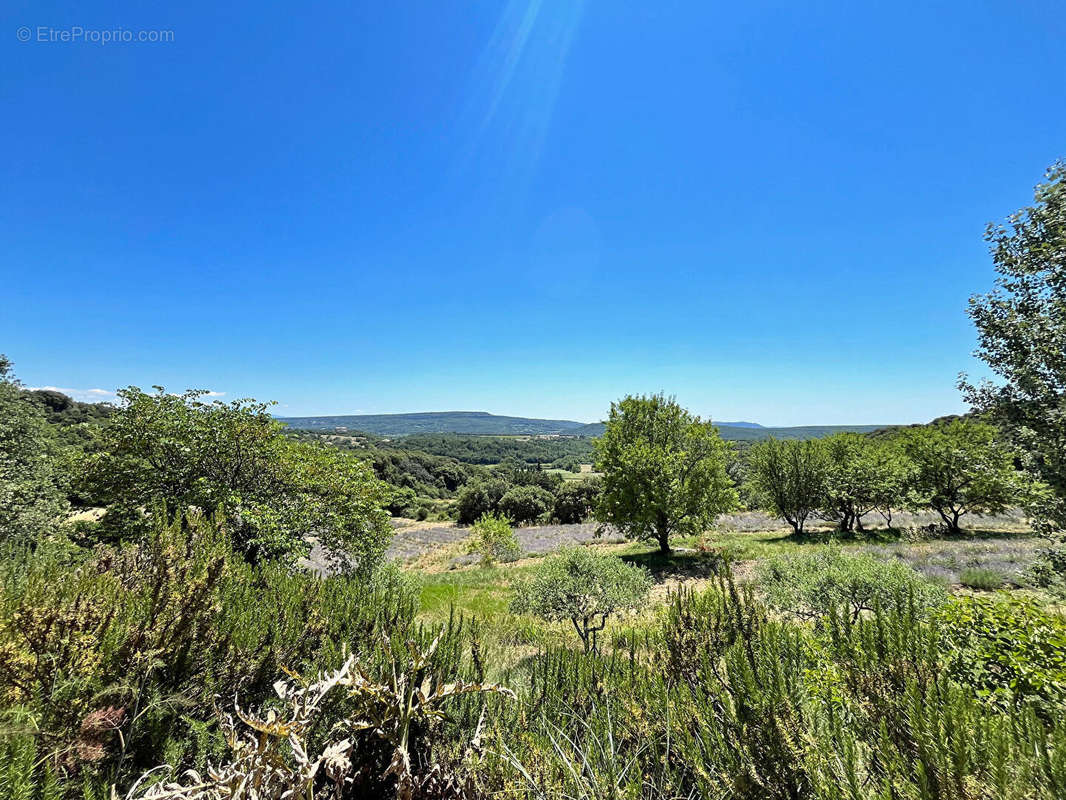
173	452
962	467
1021	327
788	478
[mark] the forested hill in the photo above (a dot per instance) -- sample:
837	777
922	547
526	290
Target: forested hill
474	422
485	424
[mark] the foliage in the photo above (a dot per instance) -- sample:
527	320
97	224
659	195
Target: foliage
721	699
962	467
479	498
1021	327
715	696
1008	649
31	495
273	492
525	504
788	478
575	501
663	471
494	540
862	474
584	587
381	745
816	584
119	654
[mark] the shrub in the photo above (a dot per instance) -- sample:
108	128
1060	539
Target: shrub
119	654
31	501
584	587
1007	648
382	744
813	585
526	503
494	540
181	452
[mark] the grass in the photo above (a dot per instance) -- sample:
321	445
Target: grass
983	560
982	579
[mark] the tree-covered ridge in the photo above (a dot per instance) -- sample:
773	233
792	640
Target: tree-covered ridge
471	422
481	423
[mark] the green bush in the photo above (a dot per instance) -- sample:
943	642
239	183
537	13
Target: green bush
1007	648
492	538
172	452
479	498
813	585
575	501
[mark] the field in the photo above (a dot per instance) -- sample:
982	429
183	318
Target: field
437	556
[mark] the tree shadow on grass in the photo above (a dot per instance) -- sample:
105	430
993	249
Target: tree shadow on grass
678	563
896	536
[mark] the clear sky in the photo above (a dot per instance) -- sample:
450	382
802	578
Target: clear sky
773	211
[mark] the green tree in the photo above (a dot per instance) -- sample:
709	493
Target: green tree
526	503
31	499
962	467
584	587
788	478
862	475
1021	328
576	500
664	471
478	498
165	452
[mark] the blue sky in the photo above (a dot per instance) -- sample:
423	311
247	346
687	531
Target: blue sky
773	211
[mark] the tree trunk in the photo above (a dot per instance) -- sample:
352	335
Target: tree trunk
952	521
664	542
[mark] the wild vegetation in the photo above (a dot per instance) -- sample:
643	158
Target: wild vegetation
160	636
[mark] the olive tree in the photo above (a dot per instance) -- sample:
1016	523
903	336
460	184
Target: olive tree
962	467
664	471
584	587
788	478
1021	328
166	453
